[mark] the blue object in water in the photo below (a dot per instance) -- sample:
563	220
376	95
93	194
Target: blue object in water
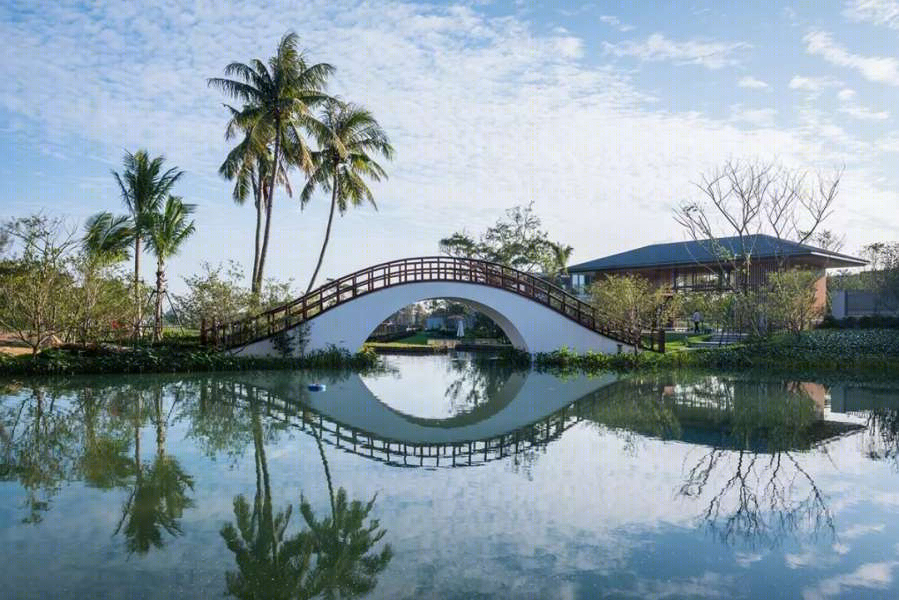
317	387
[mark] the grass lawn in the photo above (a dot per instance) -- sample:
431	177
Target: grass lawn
419	338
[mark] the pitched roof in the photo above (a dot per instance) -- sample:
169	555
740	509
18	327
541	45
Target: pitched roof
693	252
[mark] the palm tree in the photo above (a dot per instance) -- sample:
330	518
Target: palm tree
248	165
144	184
107	237
166	231
347	135
278	98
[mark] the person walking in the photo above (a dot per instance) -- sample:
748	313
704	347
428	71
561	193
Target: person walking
697	319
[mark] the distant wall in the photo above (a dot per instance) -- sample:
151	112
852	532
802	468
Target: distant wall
861	303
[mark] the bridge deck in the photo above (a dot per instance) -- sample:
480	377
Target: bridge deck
416	270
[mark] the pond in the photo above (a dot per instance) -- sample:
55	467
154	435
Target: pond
447	477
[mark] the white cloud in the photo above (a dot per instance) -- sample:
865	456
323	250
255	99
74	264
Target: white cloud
657	47
484	112
849	106
890	143
752	83
879	12
811	84
569	46
870	576
880	69
613	21
760	117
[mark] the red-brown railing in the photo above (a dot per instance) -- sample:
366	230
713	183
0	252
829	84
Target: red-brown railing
416	270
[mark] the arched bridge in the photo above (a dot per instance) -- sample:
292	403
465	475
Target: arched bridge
535	315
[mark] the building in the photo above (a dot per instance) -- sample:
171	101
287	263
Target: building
709	265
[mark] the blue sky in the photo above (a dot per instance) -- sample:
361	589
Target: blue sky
601	113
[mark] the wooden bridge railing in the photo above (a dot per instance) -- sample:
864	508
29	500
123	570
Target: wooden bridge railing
416	270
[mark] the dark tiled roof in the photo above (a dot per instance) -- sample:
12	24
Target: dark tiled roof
692	252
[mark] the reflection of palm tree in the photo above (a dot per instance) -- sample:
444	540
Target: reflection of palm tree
331	558
269	565
342	543
159	496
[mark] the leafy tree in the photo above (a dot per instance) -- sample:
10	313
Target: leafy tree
277	101
789	299
167	230
101	300
632	301
35	286
516	241
217	292
144	184
348	136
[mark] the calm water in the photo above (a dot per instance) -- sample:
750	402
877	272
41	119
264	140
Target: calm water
442	478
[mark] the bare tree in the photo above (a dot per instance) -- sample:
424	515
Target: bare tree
743	199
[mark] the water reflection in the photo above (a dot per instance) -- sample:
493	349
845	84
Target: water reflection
331	557
307	479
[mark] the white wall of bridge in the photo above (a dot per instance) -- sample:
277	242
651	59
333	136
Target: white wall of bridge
529	325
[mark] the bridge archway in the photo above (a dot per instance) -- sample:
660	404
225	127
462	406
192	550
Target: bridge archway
530	326
536	315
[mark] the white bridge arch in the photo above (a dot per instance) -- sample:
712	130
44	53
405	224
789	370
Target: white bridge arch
535	315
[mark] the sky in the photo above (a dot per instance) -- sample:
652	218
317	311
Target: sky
602	114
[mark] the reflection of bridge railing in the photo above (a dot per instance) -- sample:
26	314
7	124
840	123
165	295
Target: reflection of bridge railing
534	435
416	270
408	454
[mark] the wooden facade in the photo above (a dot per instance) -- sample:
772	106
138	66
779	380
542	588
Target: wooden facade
711	278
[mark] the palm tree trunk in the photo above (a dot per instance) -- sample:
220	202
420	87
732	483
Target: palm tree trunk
160	290
137	285
269	202
321	255
160	425
257	192
321	453
267	511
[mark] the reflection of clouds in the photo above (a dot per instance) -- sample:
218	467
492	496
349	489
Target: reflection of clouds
745	559
872	576
707	585
856	531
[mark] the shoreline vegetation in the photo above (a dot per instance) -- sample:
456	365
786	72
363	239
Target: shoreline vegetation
869	352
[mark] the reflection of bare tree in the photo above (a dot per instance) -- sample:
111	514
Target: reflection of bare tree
758	503
768	496
882	435
38	443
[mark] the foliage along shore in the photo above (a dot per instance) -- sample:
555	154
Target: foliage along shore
172	359
868	352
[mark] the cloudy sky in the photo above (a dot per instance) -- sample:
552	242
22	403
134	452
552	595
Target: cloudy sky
600	113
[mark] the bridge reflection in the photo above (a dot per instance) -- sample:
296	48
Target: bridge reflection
531	410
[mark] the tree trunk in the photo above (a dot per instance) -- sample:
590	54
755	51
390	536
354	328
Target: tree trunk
269	201
137	301
321	255
257	192
160	426
160	291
